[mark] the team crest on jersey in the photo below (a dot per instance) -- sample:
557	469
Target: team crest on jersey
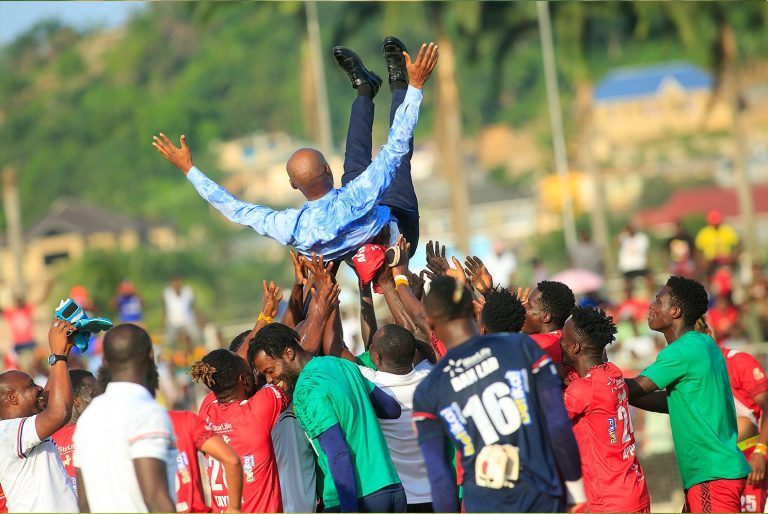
465	372
757	374
612	430
249	463
456	424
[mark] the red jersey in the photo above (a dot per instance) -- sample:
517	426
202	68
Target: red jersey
3	502
747	378
247	426
598	407
62	438
550	343
191	432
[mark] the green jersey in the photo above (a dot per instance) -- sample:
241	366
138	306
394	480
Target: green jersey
701	409
364	359
331	391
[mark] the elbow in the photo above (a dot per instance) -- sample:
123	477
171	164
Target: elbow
232	461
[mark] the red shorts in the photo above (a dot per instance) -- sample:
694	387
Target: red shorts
722	495
754	496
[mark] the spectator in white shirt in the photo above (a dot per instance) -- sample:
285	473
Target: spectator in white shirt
179	313
33	477
633	258
392	351
125	452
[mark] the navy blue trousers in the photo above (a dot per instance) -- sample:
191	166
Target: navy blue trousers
400	197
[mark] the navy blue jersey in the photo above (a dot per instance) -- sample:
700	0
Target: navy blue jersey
483	393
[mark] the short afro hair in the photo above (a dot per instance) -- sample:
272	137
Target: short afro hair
395	344
557	299
80	388
503	311
690	296
238	341
273	340
448	299
594	327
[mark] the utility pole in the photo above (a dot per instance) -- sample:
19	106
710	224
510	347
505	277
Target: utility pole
15	240
556	122
318	68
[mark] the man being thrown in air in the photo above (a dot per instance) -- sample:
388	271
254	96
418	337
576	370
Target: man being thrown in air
336	222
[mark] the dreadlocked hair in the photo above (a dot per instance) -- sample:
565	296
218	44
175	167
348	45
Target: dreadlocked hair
219	370
594	327
273	340
448	299
557	299
503	311
690	296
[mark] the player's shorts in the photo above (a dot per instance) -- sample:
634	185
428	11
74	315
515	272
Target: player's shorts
754	496
721	495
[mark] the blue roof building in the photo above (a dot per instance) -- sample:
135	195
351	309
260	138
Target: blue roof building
634	82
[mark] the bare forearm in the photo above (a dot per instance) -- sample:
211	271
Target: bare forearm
399	313
415	308
333	336
234	474
368	325
295	311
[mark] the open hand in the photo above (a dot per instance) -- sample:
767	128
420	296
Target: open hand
272	299
299	269
437	264
179	157
321	273
405	248
757	462
478	274
457	272
420	70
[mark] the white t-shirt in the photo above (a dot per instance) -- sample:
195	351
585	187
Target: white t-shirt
295	464
178	307
33	477
123	424
399	433
633	252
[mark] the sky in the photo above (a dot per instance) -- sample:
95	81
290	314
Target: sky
17	17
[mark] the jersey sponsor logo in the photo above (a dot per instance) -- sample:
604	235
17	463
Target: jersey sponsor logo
221	501
182	467
66	449
612	431
757	374
456	425
629	451
224	427
518	385
182	507
249	463
467	371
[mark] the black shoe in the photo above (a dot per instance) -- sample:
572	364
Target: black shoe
393	56
353	66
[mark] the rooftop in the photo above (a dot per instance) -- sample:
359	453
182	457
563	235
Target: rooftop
635	81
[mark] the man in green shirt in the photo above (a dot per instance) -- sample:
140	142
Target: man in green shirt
338	408
689	380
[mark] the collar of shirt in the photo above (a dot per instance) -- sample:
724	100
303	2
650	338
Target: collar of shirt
128	389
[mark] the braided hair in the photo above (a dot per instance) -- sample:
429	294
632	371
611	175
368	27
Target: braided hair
219	370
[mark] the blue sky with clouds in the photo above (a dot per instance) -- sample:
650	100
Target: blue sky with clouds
16	17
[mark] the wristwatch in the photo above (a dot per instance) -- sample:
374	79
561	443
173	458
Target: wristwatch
53	359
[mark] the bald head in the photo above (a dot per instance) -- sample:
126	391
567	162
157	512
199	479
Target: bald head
13	380
20	396
126	345
310	173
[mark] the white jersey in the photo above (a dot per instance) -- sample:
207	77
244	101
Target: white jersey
123	424
401	438
33	477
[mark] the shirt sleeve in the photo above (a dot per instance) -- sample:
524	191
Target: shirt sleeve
19	436
314	410
278	225
667	369
577	397
542	368
750	374
151	435
365	190
267	404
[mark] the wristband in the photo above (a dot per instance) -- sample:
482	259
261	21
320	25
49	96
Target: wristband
574	490
264	317
402	280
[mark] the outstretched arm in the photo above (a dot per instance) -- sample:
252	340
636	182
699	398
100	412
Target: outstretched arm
365	190
275	224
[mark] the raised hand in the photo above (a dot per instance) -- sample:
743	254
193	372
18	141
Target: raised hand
299	269
405	248
179	157
272	299
417	283
420	70
59	336
478	274
477	307
322	274
457	272
437	264
522	295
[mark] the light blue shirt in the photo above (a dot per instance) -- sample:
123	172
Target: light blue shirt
343	219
